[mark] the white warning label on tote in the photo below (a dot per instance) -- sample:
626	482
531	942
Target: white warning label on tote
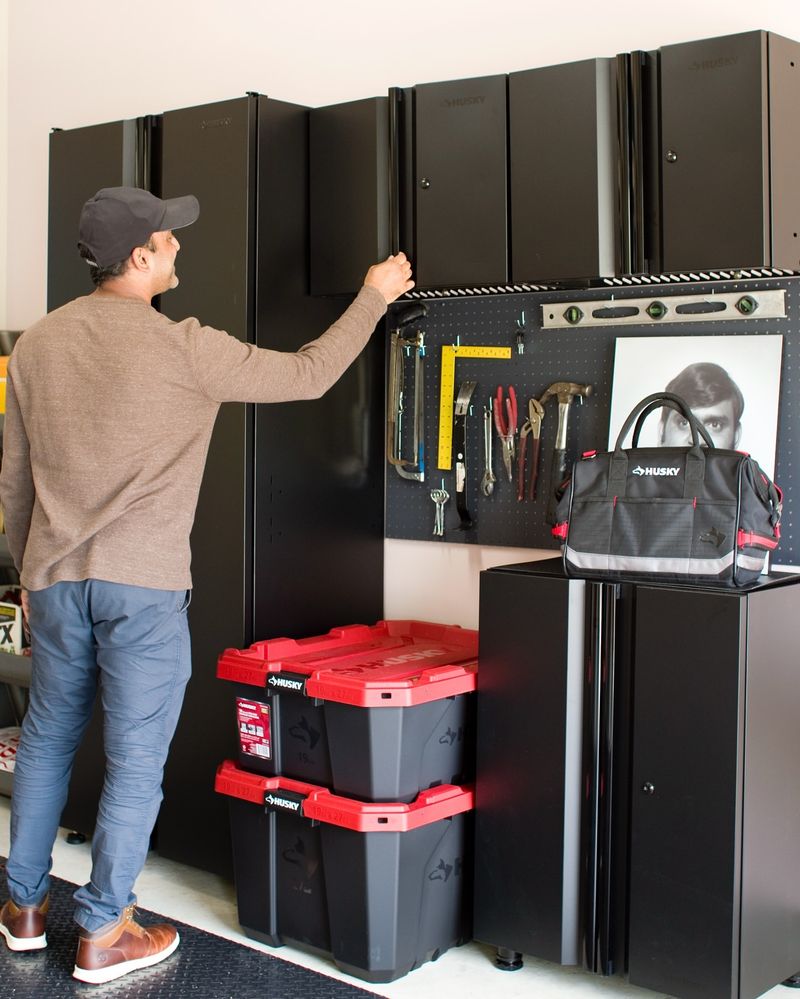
254	728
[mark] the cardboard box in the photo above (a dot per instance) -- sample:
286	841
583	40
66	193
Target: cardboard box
12	636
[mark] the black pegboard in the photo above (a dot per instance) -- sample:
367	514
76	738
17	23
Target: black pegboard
583	355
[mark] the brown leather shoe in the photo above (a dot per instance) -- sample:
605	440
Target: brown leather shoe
23	927
125	946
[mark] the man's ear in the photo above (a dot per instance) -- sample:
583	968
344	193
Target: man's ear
139	260
736	436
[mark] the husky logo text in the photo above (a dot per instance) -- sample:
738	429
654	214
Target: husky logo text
276	802
655	470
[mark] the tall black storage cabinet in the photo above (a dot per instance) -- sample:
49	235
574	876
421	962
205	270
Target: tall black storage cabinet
637	756
288	536
82	161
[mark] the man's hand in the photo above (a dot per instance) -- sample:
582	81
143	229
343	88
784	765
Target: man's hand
26	607
392	277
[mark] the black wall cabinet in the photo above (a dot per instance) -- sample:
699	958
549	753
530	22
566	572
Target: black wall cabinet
637	753
459	184
729	147
679	159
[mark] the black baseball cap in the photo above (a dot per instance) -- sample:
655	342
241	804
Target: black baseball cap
117	219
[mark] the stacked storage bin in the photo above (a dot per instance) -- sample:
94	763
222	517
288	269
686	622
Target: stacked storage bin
351	796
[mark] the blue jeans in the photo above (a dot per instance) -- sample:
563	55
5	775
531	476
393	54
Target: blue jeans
132	643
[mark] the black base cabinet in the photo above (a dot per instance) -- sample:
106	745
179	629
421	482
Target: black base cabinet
637	795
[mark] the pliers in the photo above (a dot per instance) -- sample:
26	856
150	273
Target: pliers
532	426
505	420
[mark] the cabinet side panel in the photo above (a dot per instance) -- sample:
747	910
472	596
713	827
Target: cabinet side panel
784	146
770	936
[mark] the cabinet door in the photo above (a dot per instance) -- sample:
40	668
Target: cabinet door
528	764
349	193
561	142
685	855
318	475
715	153
460	183
82	160
209	151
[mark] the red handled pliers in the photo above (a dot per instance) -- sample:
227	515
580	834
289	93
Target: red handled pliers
505	420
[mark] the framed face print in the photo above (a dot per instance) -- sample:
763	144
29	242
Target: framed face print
731	383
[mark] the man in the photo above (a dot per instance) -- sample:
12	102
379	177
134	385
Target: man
713	397
110	409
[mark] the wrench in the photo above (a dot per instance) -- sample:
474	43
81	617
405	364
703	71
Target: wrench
439	497
489	479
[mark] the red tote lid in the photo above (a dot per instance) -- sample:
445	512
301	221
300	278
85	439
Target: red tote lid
391	664
322	805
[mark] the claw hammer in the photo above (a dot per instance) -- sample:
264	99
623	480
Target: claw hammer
565	392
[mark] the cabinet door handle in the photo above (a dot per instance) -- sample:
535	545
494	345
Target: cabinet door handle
648	788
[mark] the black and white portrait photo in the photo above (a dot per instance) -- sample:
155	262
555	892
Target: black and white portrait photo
730	383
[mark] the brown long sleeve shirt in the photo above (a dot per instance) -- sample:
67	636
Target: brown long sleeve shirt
109	412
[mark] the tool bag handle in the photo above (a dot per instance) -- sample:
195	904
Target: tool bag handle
695	458
661	404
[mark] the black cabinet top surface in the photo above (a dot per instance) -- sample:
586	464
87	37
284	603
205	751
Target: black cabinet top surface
554	568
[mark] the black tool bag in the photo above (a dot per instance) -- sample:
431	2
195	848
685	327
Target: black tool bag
680	514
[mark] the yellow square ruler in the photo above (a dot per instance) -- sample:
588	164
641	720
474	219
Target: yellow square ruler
447	392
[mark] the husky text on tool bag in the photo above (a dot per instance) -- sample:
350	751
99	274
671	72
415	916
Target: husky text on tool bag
693	513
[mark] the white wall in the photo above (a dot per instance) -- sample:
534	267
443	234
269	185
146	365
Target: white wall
80	63
3	161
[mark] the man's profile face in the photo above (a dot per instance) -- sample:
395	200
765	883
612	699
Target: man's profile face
717	419
167	246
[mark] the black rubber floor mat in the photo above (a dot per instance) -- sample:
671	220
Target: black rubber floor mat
203	967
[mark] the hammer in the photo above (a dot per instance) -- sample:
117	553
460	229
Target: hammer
565	392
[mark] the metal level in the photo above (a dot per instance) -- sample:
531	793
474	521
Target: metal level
655	311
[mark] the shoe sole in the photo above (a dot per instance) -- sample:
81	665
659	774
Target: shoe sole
101	975
22	943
